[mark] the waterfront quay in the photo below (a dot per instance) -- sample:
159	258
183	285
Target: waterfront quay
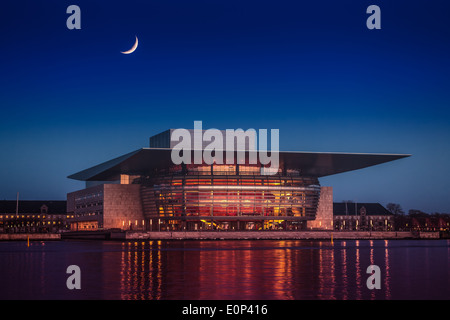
248	235
29	236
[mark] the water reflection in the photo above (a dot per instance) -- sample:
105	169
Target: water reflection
387	270
140	271
344	270
372	261
358	271
251	270
227	270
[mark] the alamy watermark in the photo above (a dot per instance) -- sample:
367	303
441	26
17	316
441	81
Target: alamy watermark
73	22
74	280
374	280
210	146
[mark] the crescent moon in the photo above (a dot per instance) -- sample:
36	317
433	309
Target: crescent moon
133	48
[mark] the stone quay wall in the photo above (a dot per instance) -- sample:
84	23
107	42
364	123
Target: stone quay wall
286	235
30	236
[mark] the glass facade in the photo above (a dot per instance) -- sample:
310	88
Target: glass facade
225	194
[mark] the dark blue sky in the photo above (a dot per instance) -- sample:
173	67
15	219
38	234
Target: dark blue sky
69	99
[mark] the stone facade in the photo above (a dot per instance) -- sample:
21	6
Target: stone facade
122	207
324	216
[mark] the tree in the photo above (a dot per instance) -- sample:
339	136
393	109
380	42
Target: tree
417	213
395	208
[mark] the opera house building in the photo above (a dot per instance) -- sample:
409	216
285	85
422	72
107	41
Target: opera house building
145	190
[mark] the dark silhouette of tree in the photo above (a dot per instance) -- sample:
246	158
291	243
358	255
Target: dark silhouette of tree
417	213
395	208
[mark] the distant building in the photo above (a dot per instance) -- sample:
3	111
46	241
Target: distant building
32	216
432	223
423	222
362	216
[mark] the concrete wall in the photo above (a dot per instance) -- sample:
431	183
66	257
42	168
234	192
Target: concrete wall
122	206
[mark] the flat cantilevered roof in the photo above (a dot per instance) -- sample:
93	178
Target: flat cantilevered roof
319	164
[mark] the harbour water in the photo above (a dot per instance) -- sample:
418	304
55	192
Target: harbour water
226	270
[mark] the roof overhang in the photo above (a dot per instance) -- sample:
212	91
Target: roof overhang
317	164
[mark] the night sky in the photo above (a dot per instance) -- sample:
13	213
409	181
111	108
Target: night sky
70	100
